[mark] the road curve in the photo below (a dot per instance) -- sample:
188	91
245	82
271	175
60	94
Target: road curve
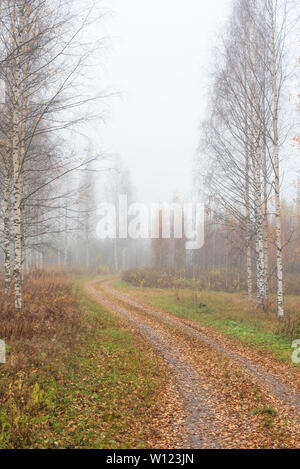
209	422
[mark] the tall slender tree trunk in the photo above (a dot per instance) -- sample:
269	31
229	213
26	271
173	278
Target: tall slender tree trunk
257	170
116	260
7	227
17	189
22	159
247	200
258	214
265	185
266	226
260	264
17	239
280	309
87	242
22	225
66	235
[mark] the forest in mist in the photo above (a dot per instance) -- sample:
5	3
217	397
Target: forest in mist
147	337
51	190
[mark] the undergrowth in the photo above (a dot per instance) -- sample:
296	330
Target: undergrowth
230	313
74	376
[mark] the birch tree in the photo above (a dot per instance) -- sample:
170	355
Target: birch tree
242	136
235	137
40	62
275	21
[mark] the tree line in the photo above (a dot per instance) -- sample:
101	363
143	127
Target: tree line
243	136
43	52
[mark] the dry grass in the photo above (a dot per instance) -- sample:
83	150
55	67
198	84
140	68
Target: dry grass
37	339
76	377
48	307
229	313
213	279
228	302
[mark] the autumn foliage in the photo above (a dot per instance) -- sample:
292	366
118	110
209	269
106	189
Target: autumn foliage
49	309
36	339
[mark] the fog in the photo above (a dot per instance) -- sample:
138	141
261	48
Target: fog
156	101
160	64
149	226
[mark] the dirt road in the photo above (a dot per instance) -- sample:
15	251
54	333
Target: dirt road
229	400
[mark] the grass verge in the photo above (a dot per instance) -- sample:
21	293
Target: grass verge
229	313
104	389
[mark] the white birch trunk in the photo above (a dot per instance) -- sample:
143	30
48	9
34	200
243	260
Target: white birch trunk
116	260
22	160
257	167
266	229
7	256
17	190
280	309
247	200
66	235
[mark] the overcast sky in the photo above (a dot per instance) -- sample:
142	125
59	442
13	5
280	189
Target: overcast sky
159	63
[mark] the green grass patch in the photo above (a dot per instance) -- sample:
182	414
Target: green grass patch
107	389
265	411
228	313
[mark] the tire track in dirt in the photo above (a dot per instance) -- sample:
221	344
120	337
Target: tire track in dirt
211	420
281	390
200	424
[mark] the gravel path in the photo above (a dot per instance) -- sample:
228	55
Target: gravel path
200	422
204	425
281	390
